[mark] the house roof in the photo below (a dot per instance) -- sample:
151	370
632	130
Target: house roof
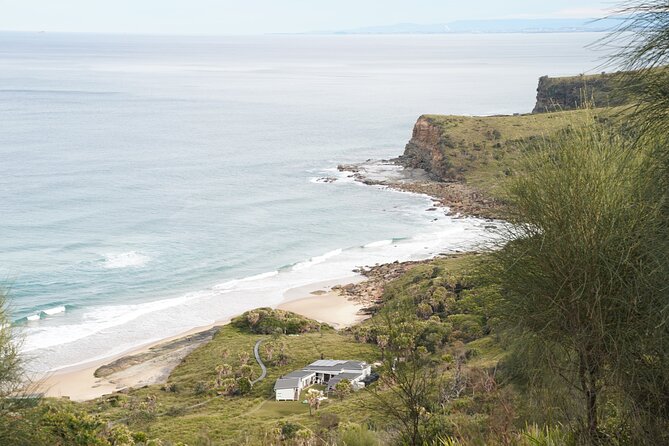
330	365
292	379
299	374
350	376
346	376
326	362
287	383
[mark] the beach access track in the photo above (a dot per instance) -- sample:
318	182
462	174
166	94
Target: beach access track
256	353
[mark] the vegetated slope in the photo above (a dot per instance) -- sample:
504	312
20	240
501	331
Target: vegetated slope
480	151
203	402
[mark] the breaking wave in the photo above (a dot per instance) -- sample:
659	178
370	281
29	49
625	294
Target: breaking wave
125	260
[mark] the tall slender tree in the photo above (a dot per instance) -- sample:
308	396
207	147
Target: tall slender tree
584	272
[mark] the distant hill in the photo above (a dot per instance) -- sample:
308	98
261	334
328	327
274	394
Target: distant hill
491	26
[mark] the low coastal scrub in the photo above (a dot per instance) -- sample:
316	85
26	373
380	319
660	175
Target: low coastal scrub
271	321
444	298
440	354
203	400
65	423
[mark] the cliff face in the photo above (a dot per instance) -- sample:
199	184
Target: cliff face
471	157
479	151
425	149
569	93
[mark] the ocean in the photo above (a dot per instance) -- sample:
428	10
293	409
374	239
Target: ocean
152	184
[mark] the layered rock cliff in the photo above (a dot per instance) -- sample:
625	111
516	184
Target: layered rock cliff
574	92
470	157
426	149
479	151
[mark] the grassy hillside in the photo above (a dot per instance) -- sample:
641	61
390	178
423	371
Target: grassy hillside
190	409
484	151
168	412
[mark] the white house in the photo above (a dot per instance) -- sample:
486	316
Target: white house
324	371
288	387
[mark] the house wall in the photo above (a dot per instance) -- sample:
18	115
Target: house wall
285	394
365	372
307	381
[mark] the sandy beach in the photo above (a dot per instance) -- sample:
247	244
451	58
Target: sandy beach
153	363
145	365
329	307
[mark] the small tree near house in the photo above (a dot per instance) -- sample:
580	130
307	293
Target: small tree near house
244	385
382	342
343	388
245	371
314	400
228	386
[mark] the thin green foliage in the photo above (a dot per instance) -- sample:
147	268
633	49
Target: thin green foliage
10	361
641	41
584	270
640	45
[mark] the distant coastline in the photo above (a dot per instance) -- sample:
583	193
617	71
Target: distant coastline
489	27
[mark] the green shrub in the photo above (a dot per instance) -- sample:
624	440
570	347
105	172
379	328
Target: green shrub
534	435
466	327
270	321
352	434
202	388
244	386
288	430
328	420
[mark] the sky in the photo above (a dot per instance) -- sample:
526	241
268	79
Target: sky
269	16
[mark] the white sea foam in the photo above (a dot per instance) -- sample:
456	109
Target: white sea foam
132	325
260	276
334	175
321	180
316	260
378	244
55	310
232	284
229	285
125	260
98	319
33	317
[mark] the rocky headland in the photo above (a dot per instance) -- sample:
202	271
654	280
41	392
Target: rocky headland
464	162
574	92
369	292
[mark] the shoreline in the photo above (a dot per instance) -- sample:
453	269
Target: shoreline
459	198
339	302
152	363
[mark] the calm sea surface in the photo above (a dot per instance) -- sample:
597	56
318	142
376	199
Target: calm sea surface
149	185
